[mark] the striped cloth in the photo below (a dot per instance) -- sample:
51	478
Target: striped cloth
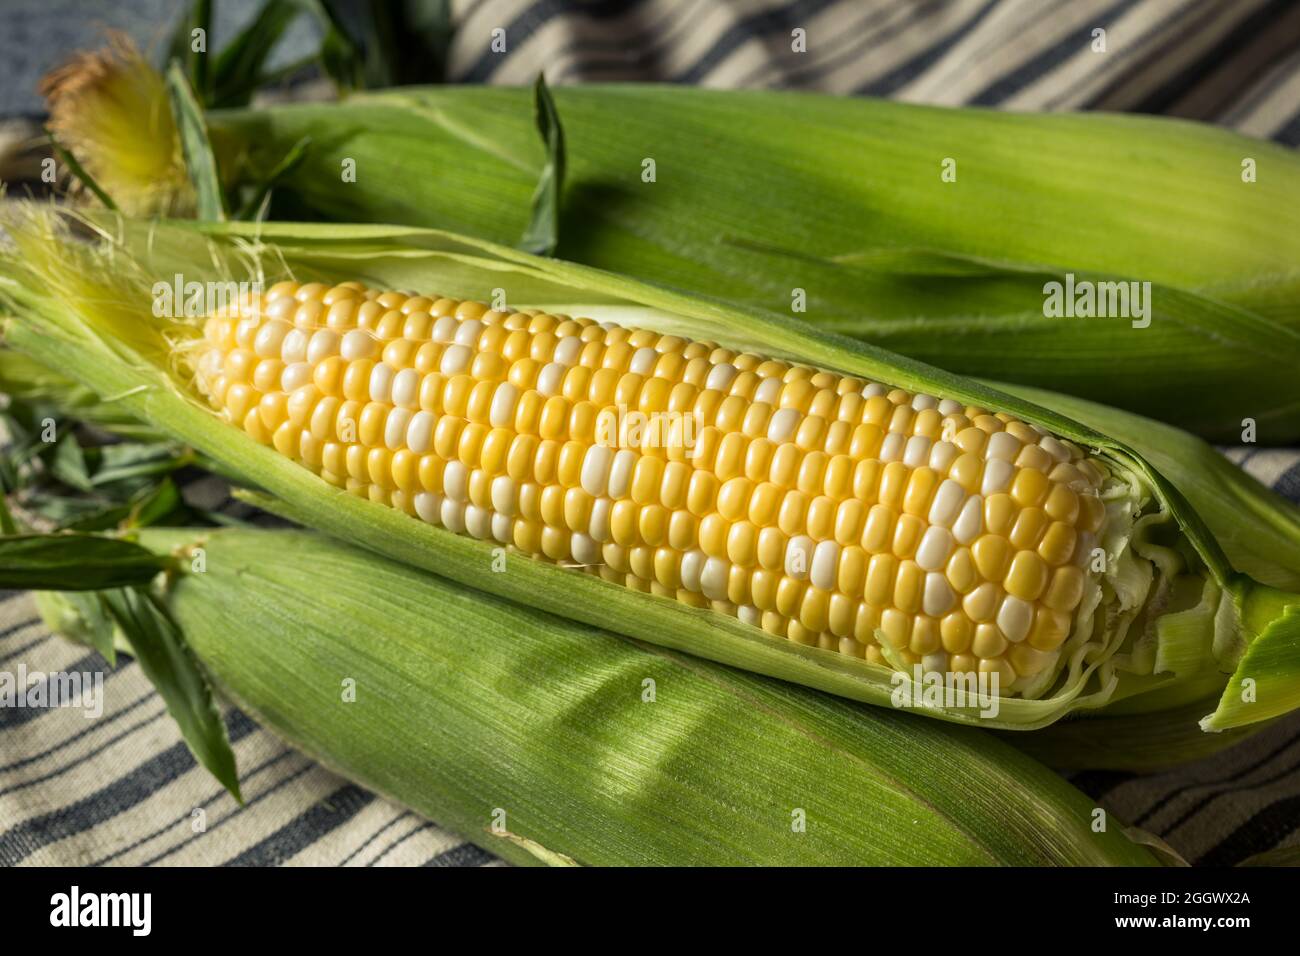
122	789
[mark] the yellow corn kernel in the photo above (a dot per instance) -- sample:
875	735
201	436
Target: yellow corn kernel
1029	488
1050	628
1027	576
1065	590
880	579
907	535
956	632
999	514
907	587
878	531
1057	546
1028	529
893	483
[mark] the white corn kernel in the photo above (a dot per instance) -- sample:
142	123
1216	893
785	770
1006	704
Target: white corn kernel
620	473
429	506
381	383
970	521
419	432
357	344
395	427
502	413
455	359
406	387
692	567
550	378
595	470
935	547
322	344
997	476
825	560
947	504
1014	618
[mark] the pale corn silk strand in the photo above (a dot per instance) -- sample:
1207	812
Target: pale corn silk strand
824	509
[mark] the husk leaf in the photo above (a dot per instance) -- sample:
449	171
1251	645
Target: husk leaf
855	214
541	739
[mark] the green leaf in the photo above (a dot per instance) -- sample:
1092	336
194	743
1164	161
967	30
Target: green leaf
73	512
161	504
75	562
80	172
69	464
286	165
130	460
7	526
543	232
240	67
339	55
94	621
1266	683
170	666
199	159
151	504
80	616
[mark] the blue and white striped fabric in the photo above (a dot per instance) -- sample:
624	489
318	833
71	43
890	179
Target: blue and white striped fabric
122	789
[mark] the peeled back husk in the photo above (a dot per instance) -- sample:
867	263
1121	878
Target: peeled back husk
1184	619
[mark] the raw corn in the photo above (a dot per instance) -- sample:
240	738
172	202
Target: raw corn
825	509
467	705
877	239
1165	618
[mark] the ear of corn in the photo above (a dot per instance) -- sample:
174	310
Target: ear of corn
546	741
825	509
1171	621
861	214
855	213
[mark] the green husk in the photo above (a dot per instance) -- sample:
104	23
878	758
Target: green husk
473	710
86	306
23	379
758	194
1146	742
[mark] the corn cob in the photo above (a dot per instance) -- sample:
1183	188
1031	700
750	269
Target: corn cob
1164	613
826	509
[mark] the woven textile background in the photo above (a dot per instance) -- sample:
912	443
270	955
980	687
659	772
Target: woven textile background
123	789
